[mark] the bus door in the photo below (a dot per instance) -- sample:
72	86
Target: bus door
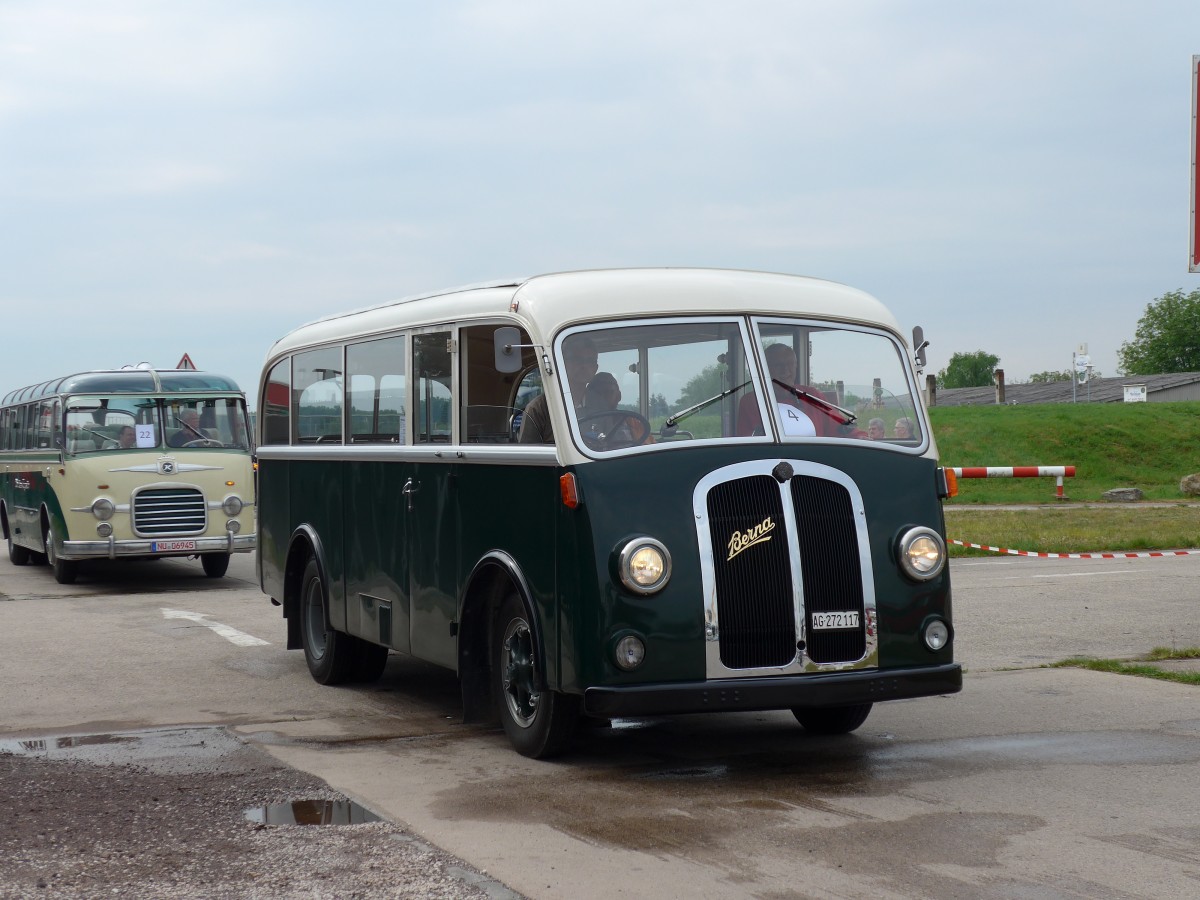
376	470
431	499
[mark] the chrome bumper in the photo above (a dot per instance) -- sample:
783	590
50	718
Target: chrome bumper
112	548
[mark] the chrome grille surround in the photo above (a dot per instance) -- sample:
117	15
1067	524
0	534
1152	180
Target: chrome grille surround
169	511
755	584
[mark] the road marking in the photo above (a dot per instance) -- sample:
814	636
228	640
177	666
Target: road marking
230	634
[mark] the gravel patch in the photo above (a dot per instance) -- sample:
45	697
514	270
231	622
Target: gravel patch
168	818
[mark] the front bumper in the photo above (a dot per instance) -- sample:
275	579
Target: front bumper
773	692
114	549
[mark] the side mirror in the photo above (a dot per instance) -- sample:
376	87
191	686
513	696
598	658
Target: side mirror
507	343
919	345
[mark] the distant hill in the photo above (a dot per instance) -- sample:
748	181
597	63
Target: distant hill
1150	446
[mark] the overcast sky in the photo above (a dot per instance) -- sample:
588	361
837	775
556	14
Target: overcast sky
204	176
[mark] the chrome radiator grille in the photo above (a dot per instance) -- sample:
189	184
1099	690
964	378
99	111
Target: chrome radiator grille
754	579
169	511
752	531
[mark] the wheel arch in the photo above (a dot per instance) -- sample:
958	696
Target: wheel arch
486	587
304	544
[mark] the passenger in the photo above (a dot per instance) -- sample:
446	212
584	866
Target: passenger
581	362
903	429
876	430
190	420
599	415
781	363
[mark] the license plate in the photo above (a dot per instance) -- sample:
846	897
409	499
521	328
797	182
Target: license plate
170	546
823	621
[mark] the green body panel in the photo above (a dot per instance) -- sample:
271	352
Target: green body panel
380	554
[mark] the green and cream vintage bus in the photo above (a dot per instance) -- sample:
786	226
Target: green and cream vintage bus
126	463
612	494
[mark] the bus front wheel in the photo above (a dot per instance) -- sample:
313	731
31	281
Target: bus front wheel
65	570
327	652
539	724
215	564
832	719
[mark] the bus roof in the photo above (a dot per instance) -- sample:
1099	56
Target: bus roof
546	303
127	381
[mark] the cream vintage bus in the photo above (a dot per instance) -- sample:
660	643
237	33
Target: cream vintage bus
609	494
123	463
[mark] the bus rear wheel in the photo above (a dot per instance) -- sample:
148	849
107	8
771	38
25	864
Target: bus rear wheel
539	724
65	570
832	719
328	652
18	555
215	564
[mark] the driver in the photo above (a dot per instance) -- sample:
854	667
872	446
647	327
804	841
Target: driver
600	401
190	420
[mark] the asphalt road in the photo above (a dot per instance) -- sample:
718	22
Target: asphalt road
1032	782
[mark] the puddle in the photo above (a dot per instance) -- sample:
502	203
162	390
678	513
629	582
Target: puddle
173	748
312	812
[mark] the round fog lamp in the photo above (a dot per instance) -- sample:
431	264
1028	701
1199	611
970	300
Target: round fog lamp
104	529
103	509
232	505
645	565
922	554
937	635
630	652
233	526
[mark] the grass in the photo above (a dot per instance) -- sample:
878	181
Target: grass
1139	668
1150	446
1075	529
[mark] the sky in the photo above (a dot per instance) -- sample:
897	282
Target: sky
203	177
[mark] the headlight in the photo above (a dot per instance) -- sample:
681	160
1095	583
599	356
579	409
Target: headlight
645	565
922	553
232	505
103	509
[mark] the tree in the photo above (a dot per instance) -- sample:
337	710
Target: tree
708	383
1167	338
968	370
1049	377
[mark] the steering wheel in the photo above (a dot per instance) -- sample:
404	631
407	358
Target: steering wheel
636	432
203	442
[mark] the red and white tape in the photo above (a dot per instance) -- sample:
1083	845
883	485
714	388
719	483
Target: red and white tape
1146	555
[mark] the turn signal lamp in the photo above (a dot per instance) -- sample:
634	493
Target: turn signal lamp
569	490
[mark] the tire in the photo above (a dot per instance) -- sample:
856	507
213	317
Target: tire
832	719
18	555
539	724
329	653
215	564
65	570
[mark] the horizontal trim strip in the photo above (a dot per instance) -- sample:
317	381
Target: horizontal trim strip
480	454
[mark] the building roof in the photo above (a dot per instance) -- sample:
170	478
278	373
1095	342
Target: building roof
1097	390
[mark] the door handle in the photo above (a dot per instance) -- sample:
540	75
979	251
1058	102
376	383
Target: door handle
410	487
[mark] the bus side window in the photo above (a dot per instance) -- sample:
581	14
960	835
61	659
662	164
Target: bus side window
317	396
432	387
275	404
375	392
488	410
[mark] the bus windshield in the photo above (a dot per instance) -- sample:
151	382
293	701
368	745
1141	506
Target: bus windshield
685	380
143	423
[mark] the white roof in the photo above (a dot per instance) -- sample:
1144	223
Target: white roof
546	303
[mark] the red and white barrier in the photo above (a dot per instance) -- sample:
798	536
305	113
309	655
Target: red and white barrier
1150	554
1018	472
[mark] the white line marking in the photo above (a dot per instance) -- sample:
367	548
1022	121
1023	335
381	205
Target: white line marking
230	634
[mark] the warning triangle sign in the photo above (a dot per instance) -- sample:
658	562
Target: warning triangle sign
186	363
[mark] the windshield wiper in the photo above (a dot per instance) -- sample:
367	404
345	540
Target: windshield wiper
825	405
678	417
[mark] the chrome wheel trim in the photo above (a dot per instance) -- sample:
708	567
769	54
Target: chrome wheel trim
314	619
517	666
